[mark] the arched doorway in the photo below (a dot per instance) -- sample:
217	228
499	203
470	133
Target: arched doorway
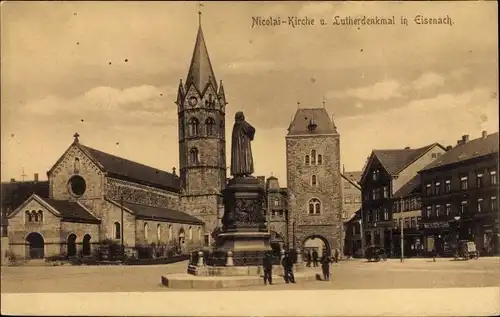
36	245
72	244
316	243
86	244
181	241
277	242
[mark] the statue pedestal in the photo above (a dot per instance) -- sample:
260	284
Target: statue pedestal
244	231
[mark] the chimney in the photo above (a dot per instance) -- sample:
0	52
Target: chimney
12	180
35	177
465	138
448	147
459	142
407	148
173	170
485	134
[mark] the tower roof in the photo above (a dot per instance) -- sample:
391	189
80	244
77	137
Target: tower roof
200	72
311	121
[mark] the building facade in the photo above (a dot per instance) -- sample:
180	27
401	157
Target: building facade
385	173
314	180
460	196
277	213
201	105
351	198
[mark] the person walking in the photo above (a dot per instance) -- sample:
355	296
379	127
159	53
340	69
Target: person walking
267	264
336	255
287	264
315	258
325	266
308	258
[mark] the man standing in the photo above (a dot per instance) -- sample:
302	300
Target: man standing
325	266
308	258
315	258
268	268
287	264
336	255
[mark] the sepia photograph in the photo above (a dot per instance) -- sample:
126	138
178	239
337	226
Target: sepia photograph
271	158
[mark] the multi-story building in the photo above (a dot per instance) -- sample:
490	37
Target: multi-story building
406	213
314	179
351	198
385	173
460	196
277	213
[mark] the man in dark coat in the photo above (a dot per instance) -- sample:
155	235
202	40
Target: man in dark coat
267	264
325	266
336	255
308	258
287	264
315	258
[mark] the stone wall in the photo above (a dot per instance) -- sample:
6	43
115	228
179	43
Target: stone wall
111	213
49	228
140	194
168	233
206	208
327	189
80	230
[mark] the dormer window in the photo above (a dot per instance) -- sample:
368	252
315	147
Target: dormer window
312	125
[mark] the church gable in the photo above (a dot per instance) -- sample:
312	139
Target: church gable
75	175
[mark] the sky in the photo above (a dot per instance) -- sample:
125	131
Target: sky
110	71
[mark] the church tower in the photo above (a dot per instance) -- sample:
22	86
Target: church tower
201	107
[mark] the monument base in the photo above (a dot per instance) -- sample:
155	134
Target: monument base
251	270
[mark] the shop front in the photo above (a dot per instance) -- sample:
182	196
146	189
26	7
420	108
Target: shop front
438	238
413	243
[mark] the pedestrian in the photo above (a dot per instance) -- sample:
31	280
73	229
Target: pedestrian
267	264
287	264
336	255
434	254
325	266
308	258
315	258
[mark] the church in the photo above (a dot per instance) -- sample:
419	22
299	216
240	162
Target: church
95	196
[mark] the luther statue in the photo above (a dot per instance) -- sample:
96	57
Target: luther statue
241	150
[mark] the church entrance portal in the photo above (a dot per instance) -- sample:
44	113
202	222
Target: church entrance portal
86	244
36	245
72	244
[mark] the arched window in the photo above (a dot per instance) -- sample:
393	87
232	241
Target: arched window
170	233
199	234
76	165
209	125
34	216
146	228
193	126
320	159
307	160
276	201
193	155
190	233
28	216
314	181
118	232
314	206
40	215
313	157
158	233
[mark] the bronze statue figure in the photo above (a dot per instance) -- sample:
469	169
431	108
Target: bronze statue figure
241	151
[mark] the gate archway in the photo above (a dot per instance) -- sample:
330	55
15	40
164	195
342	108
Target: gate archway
316	243
86	244
277	242
36	245
71	244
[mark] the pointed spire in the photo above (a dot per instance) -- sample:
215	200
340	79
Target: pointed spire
200	72
221	89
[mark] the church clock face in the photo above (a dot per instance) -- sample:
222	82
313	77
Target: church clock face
193	101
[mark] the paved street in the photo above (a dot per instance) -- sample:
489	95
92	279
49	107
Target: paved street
353	274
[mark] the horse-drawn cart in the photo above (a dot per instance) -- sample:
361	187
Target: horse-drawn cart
466	250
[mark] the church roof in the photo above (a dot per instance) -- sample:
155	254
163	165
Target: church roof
307	116
200	72
133	171
158	213
13	194
71	210
472	149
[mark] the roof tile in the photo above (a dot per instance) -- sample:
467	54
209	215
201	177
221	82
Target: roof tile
161	213
303	117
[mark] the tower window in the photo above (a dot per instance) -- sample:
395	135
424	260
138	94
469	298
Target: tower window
193	126
193	155
314	206
307	160
76	165
314	181
209	125
313	157
320	159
